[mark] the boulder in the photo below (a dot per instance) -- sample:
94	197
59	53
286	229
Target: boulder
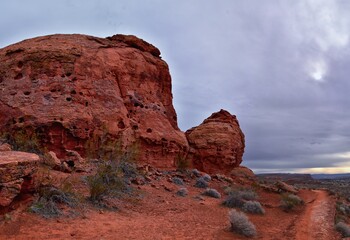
216	145
16	170
71	92
5	147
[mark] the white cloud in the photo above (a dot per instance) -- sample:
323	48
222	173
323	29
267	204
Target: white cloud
317	69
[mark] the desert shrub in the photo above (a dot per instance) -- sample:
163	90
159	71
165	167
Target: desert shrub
212	193
181	163
241	224
115	168
201	183
343	208
206	177
289	201
233	201
253	207
182	192
178	181
109	180
196	173
237	198
25	139
51	197
248	194
343	228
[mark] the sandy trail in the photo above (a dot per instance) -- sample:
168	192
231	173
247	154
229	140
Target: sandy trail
317	222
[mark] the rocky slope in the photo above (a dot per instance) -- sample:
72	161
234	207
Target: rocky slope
76	92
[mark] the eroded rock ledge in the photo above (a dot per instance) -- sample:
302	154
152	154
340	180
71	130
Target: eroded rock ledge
16	170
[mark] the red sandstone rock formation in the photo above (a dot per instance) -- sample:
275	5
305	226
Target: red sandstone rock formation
68	88
76	92
216	145
16	170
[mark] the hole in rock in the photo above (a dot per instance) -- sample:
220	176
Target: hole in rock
73	92
18	76
149	130
69	99
70	163
21	119
27	93
121	125
135	127
86	104
20	64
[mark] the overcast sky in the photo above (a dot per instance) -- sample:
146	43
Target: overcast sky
282	67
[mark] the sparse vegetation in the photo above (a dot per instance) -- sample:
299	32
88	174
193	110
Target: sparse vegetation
112	177
201	183
178	181
237	198
253	207
210	192
290	201
109	180
241	224
25	139
181	163
206	177
343	228
50	199
182	192
196	173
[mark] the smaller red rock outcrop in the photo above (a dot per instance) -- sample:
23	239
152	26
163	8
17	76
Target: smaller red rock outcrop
16	170
216	145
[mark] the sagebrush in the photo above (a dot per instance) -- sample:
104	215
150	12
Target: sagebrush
290	201
241	224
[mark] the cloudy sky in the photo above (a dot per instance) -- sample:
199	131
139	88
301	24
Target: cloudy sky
282	67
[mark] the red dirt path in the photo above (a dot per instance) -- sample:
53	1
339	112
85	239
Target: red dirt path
161	214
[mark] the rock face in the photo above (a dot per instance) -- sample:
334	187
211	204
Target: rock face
69	89
76	94
216	145
16	170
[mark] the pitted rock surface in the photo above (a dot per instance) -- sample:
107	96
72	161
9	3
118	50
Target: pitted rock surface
68	88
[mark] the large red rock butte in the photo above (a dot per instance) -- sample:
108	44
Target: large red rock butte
70	89
217	145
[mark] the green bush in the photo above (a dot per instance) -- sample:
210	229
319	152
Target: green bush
109	180
290	201
50	197
112	176
241	224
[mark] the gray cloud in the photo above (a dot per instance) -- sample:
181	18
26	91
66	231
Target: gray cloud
280	66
